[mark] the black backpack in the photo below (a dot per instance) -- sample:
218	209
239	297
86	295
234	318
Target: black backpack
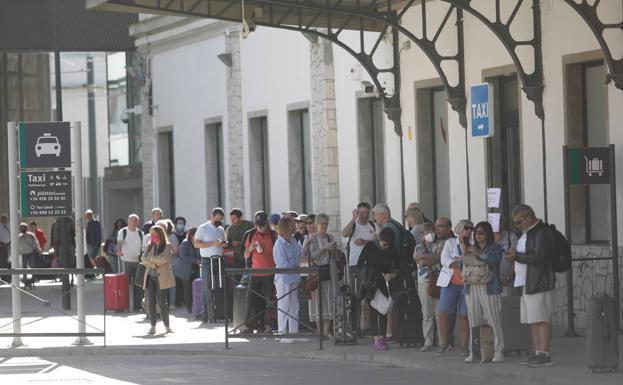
406	248
561	260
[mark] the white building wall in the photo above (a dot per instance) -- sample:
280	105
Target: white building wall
275	73
188	87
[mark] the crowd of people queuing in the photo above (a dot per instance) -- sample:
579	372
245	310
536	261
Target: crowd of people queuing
459	273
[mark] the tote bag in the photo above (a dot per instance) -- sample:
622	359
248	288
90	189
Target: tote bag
381	302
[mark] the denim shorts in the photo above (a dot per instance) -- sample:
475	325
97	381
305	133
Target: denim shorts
452	300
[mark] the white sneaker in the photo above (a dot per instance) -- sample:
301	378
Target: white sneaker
287	341
498	357
426	348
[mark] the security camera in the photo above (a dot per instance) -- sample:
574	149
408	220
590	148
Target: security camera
367	87
125	117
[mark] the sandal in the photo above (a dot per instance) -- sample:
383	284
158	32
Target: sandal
152	331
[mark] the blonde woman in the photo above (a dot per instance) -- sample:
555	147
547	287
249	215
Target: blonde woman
287	253
158	276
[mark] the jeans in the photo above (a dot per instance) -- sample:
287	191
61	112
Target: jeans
129	268
114	263
155	294
264	286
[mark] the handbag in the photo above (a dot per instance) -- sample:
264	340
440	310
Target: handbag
381	302
475	271
139	277
433	290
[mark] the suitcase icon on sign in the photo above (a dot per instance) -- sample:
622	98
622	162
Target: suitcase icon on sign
594	166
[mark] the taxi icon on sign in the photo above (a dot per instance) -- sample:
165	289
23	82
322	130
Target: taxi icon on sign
47	145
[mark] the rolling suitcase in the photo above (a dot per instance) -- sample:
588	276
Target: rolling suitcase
197	307
517	337
42	261
116	296
102	263
407	318
344	323
602	337
217	291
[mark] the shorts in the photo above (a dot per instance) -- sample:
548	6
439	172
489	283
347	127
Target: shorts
537	307
452	300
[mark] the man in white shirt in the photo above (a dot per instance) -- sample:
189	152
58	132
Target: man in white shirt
359	231
209	239
129	249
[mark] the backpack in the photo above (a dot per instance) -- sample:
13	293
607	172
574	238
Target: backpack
249	234
350	237
140	235
561	260
406	248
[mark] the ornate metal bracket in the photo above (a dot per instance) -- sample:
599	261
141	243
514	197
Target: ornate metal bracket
532	83
335	16
591	17
388	17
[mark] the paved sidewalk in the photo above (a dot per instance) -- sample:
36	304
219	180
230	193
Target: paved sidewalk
126	336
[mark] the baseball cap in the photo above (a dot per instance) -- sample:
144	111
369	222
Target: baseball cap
261	218
218	211
290	214
301	218
274	218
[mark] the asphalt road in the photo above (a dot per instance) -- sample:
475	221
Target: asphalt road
162	369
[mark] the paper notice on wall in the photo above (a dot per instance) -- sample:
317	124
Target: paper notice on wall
493	197
494	221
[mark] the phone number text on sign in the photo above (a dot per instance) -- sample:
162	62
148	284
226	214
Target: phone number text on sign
46	193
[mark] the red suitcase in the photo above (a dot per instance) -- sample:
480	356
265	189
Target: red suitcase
116	296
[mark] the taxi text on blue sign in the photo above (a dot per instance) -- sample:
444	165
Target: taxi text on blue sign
481	110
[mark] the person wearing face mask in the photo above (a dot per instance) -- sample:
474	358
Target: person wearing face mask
29	249
158	276
180	229
209	239
427	255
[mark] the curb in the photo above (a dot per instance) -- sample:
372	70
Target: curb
495	372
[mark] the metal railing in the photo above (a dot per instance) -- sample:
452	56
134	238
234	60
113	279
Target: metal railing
48	303
231	273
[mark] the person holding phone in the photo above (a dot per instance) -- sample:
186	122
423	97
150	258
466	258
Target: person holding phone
452	299
209	240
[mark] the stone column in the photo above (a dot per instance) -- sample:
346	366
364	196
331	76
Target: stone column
235	176
147	135
324	135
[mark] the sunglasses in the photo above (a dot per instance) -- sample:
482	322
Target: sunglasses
468	228
309	223
480	233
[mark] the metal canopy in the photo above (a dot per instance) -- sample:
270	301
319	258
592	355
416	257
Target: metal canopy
329	18
26	25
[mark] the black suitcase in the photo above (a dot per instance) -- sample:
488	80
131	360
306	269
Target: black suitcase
42	261
344	324
602	338
217	290
517	337
407	318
